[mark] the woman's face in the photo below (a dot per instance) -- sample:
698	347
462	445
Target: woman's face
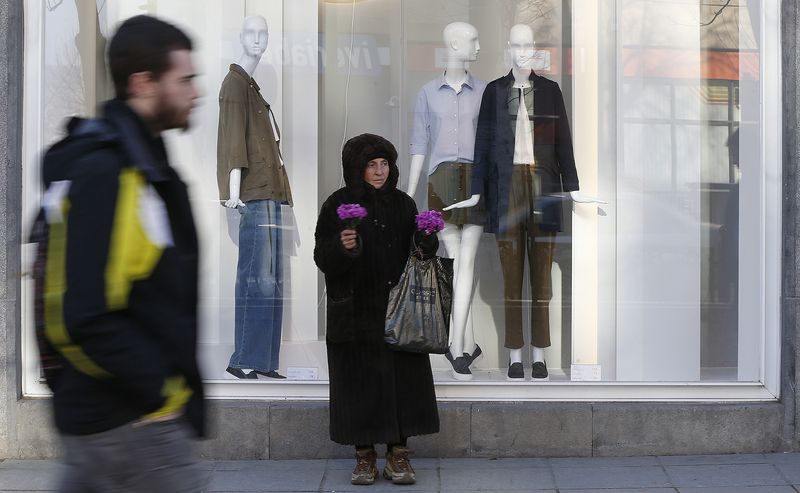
377	172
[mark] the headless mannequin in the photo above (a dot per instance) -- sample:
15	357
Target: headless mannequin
521	48
254	38
461	243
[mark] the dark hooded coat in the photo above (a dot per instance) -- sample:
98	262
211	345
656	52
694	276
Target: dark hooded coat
376	395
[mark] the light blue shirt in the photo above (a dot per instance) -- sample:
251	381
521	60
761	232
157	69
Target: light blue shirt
445	121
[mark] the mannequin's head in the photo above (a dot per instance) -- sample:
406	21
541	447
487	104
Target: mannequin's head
461	40
521	46
254	36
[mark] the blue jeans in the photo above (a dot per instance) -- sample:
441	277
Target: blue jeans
259	287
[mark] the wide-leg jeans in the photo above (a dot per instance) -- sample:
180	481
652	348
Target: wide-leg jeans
259	287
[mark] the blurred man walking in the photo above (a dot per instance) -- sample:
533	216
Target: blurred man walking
117	278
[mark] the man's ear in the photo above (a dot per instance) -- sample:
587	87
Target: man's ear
141	84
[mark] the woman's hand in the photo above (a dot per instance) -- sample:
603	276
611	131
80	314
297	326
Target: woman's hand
349	239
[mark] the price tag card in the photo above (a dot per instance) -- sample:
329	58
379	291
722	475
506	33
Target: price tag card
585	373
300	373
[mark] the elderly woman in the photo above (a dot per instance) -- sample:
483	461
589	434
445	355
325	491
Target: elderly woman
376	395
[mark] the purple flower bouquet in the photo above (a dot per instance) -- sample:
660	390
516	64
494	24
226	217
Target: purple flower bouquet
430	222
351	214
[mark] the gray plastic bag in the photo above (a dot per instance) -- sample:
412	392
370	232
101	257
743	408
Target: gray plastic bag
418	314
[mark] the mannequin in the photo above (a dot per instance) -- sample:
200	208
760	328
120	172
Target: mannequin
543	162
444	129
252	180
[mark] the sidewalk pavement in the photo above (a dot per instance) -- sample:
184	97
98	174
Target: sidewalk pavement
753	473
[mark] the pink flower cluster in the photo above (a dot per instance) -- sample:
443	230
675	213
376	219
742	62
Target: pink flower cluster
430	222
351	214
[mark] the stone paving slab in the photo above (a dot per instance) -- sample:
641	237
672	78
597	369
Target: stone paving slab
479	478
699	460
754	473
742	489
724	475
611	477
626	490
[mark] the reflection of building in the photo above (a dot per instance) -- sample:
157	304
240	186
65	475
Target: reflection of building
682	128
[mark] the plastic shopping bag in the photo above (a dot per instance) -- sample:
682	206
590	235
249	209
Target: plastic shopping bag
418	314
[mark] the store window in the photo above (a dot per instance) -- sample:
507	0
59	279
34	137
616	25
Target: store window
622	156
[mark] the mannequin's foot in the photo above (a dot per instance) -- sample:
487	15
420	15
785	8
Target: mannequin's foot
239	373
540	371
515	371
475	354
460	366
269	374
398	467
366	470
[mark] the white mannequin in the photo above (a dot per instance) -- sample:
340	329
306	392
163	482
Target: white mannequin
521	49
254	38
461	40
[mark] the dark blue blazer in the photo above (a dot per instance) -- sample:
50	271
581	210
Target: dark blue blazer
494	151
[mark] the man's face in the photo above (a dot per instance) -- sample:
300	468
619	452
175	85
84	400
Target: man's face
254	37
176	92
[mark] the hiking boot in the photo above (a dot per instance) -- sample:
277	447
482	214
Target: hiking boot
366	470
398	468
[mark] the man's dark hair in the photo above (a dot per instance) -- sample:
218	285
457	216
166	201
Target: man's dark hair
143	44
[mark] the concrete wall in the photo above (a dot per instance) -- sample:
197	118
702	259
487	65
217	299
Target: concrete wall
299	430
790	375
11	35
285	430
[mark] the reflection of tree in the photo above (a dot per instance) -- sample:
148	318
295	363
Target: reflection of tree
539	14
528	12
53	4
716	14
64	91
91	48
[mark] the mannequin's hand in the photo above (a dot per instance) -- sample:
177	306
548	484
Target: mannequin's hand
580	198
470	202
349	239
233	203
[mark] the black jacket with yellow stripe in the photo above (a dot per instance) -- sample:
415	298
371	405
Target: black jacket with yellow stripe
119	286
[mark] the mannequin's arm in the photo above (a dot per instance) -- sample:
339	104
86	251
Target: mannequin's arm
414	173
580	198
234	184
470	202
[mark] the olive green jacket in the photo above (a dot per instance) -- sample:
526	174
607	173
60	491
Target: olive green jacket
245	139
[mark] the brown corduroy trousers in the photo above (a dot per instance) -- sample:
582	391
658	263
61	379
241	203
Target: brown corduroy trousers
522	236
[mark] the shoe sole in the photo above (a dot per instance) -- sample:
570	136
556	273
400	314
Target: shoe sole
364	481
541	379
399	479
515	379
